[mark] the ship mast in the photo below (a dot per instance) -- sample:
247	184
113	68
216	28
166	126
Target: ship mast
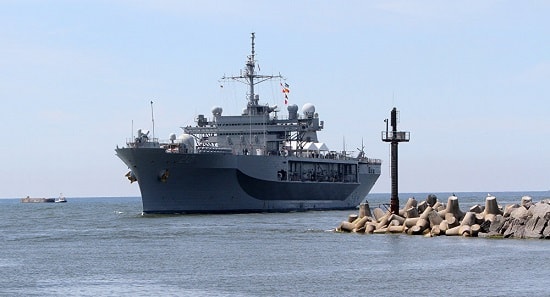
251	78
250	65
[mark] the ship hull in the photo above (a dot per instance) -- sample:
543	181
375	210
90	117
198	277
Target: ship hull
226	183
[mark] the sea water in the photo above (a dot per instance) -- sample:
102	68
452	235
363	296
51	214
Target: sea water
106	247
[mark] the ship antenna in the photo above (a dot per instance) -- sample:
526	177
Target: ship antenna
250	65
153	120
251	78
252	37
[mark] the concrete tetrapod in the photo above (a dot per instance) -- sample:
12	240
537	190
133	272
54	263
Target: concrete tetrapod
491	208
528	220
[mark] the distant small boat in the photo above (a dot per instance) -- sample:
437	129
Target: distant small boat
61	199
37	200
28	199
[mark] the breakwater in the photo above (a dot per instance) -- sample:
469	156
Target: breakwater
430	217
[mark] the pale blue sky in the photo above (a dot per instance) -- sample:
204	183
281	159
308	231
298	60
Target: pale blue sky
470	78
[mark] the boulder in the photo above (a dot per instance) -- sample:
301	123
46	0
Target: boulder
509	208
515	229
546	231
540	210
526	201
520	213
534	227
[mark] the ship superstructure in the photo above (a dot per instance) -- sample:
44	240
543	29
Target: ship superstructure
256	161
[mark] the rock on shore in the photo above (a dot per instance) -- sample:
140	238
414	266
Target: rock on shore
433	218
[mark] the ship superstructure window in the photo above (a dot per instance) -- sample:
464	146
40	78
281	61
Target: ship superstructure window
322	171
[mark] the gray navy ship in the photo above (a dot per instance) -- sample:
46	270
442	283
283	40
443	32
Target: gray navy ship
254	162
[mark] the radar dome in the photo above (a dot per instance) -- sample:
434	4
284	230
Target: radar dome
292	111
217	111
292	108
308	110
172	136
187	140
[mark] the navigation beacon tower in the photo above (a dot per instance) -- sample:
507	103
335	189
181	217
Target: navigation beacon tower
394	137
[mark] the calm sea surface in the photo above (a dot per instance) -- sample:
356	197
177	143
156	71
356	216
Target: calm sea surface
105	247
